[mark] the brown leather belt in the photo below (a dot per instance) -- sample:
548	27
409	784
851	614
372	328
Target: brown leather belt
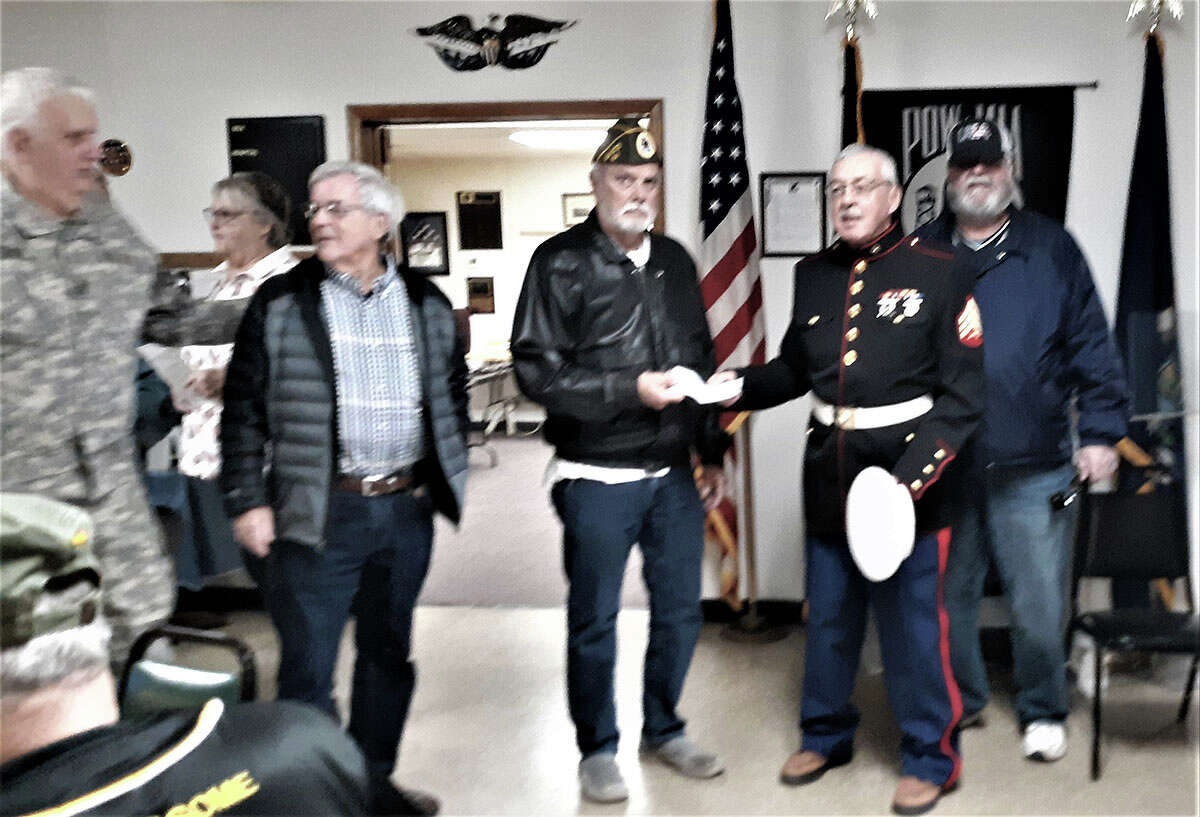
374	486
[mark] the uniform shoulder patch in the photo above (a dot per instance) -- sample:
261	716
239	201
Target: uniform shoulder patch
970	325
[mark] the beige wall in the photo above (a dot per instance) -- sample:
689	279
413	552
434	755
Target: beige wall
530	212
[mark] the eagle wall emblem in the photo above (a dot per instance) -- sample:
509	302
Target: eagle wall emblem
520	42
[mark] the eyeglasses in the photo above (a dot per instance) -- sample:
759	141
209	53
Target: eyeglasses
221	216
860	187
334	209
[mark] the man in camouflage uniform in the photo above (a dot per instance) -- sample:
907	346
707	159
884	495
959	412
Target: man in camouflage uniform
77	290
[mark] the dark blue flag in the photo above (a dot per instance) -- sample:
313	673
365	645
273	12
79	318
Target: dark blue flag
1145	325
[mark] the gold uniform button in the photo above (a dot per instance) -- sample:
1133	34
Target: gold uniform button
856	287
854	310
861	266
813	319
852	335
897	319
909	438
913	243
939	454
927	470
915	484
850	357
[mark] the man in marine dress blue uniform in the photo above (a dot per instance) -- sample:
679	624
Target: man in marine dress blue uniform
886	335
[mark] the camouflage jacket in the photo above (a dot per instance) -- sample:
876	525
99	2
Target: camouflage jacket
76	295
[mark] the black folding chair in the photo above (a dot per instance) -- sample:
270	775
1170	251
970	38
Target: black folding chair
1144	537
149	686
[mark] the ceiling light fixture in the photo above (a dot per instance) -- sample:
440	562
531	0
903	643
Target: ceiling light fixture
578	140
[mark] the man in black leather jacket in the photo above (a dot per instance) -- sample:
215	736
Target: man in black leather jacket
606	311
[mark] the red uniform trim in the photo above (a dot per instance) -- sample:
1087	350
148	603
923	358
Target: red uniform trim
943	541
950	455
842	386
930	251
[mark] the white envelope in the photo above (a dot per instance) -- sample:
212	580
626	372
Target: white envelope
689	384
880	523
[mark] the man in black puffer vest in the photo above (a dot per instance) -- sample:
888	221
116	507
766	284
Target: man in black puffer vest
345	416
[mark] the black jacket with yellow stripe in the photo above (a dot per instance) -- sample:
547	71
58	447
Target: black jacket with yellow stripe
256	758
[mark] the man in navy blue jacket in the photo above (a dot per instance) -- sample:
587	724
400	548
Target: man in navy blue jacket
1048	348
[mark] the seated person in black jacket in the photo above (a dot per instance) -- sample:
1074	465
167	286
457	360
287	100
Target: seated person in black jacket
61	744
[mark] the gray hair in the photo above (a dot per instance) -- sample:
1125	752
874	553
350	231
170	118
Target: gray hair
267	197
886	162
377	193
24	90
78	652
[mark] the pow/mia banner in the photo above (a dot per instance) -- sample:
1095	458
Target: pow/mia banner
913	126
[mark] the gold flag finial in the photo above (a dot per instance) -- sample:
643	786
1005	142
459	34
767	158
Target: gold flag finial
850	9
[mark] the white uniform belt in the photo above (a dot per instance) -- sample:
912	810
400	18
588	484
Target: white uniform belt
849	418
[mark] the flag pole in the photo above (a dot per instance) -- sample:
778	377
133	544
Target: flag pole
750	626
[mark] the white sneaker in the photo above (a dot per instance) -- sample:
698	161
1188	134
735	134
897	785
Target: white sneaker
1045	741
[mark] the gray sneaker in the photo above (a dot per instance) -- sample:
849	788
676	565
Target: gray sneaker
685	757
600	780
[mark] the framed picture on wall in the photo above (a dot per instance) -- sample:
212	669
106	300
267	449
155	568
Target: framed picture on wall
479	224
576	207
423	243
793	213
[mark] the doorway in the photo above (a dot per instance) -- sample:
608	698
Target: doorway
506	549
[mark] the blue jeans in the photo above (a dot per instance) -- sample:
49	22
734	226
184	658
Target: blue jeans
1013	525
913	635
600	524
374	563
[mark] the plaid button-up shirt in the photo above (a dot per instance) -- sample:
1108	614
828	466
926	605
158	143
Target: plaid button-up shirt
377	373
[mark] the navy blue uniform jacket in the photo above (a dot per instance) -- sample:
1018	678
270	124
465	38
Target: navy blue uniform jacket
871	327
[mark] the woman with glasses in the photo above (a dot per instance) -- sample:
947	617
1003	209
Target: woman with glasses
248	220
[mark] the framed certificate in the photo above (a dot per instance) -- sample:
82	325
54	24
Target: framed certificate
793	213
423	243
576	207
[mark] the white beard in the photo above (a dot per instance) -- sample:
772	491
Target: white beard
965	204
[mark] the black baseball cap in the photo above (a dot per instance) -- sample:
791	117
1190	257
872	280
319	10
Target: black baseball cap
978	141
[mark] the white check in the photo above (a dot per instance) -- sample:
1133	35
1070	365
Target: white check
689	384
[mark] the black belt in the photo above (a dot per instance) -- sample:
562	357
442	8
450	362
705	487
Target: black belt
376	485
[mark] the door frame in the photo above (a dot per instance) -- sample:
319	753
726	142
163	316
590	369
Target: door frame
363	121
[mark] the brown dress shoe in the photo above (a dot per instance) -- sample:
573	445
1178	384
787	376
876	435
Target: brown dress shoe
917	796
807	766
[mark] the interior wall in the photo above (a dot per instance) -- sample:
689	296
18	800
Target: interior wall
169	74
530	212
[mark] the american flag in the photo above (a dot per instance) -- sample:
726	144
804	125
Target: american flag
728	264
729	278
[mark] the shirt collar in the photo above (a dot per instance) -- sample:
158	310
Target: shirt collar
995	238
264	267
381	283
